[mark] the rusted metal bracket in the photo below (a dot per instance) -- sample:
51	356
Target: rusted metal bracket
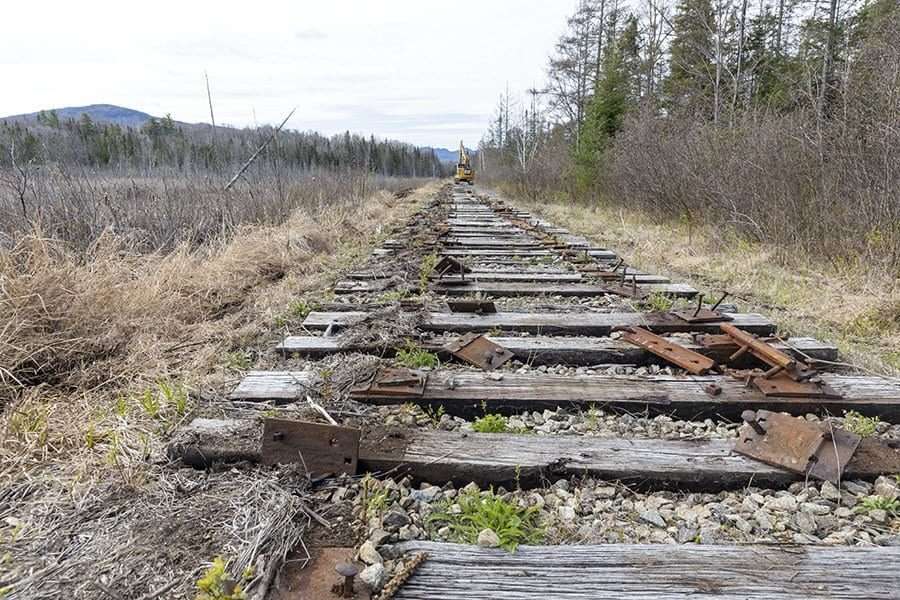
624	288
782	386
796	444
703	315
676	354
323	449
476	349
480	307
393	381
775	358
450	266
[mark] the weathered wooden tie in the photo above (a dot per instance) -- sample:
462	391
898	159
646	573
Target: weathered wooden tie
651	572
548	350
559	323
470	393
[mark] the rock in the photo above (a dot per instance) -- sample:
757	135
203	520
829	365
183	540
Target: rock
374	577
562	484
395	518
653	517
887	487
831	492
805	522
814	509
427	494
378	537
878	515
409	533
488	539
566	513
785	503
686	534
605	492
764	520
858	488
471	488
368	554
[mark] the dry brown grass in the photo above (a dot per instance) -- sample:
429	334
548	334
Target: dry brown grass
100	356
858	309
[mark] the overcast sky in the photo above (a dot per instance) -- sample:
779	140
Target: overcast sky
425	72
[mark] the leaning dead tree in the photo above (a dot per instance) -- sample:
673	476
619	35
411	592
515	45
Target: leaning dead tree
258	151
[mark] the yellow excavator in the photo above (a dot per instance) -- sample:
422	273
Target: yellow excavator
464	172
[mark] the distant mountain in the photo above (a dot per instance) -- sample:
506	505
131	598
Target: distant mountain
100	113
448	156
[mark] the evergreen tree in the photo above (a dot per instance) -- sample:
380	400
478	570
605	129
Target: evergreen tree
691	68
615	93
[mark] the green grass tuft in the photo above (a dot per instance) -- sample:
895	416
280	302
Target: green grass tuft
861	425
412	356
513	524
491	424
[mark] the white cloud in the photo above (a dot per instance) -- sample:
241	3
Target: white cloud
425	72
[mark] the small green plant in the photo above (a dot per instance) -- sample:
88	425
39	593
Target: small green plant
121	405
592	418
26	421
237	361
434	415
888	505
393	296
491	423
174	395
425	271
300	308
861	425
215	584
150	403
415	357
658	302
374	497
513	524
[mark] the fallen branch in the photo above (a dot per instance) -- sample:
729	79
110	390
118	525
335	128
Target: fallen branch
258	150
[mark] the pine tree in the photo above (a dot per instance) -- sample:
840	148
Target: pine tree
616	92
691	68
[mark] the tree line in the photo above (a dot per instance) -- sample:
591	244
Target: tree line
779	119
163	143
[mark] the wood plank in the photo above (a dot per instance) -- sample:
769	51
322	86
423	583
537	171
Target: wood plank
491	459
548	350
488	242
470	393
574	323
651	572
513	289
488	252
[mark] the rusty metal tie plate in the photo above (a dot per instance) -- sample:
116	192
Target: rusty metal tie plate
482	307
476	349
836	450
796	444
323	449
448	264
704	315
674	353
783	386
393	382
778	439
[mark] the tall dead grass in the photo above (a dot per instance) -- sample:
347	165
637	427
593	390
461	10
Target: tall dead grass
104	352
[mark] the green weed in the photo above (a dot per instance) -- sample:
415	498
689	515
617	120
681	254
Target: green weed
25	422
861	425
425	271
889	505
300	308
491	423
215	584
374	497
237	361
658	302
415	357
513	524
393	296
